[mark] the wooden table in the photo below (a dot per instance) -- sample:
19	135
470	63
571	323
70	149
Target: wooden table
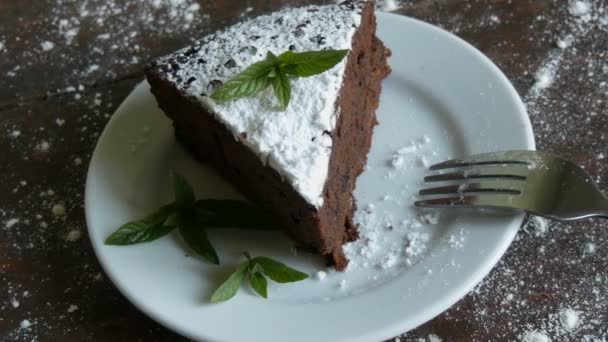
65	67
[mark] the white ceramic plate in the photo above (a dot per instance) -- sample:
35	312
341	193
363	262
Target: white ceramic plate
440	86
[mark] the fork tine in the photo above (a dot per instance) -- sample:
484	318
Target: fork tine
495	158
479	201
447	202
515	173
454	163
498	186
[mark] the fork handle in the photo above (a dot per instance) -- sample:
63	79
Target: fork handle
602	210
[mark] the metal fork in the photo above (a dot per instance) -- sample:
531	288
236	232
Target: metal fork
537	182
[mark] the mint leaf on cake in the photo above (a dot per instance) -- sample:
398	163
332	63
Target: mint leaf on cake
275	71
311	63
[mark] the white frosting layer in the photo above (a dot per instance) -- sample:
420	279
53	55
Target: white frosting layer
296	142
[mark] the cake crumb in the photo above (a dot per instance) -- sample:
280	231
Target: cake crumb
320	275
60	122
77	161
342	284
72	308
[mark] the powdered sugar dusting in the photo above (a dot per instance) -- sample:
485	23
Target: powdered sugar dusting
388	243
295	141
47	46
535	336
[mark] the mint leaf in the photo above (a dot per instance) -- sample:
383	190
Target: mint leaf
231	285
274	71
249	82
258	281
310	63
232	214
271	57
279	272
147	229
195	237
184	195
282	89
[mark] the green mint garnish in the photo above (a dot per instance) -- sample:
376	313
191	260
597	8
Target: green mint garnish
191	218
276	71
231	286
256	270
195	237
147	229
183	192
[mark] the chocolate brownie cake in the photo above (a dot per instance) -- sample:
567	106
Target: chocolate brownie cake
300	164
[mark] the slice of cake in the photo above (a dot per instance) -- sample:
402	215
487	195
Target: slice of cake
300	164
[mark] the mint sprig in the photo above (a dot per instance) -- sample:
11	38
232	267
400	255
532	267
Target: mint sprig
256	270
191	218
276	71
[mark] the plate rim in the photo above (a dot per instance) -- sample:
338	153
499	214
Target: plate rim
398	326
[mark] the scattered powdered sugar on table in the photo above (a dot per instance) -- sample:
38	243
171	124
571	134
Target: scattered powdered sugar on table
579	8
25	324
574	250
569	319
535	336
11	222
47	46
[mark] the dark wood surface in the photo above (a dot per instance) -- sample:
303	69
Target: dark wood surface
58	284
